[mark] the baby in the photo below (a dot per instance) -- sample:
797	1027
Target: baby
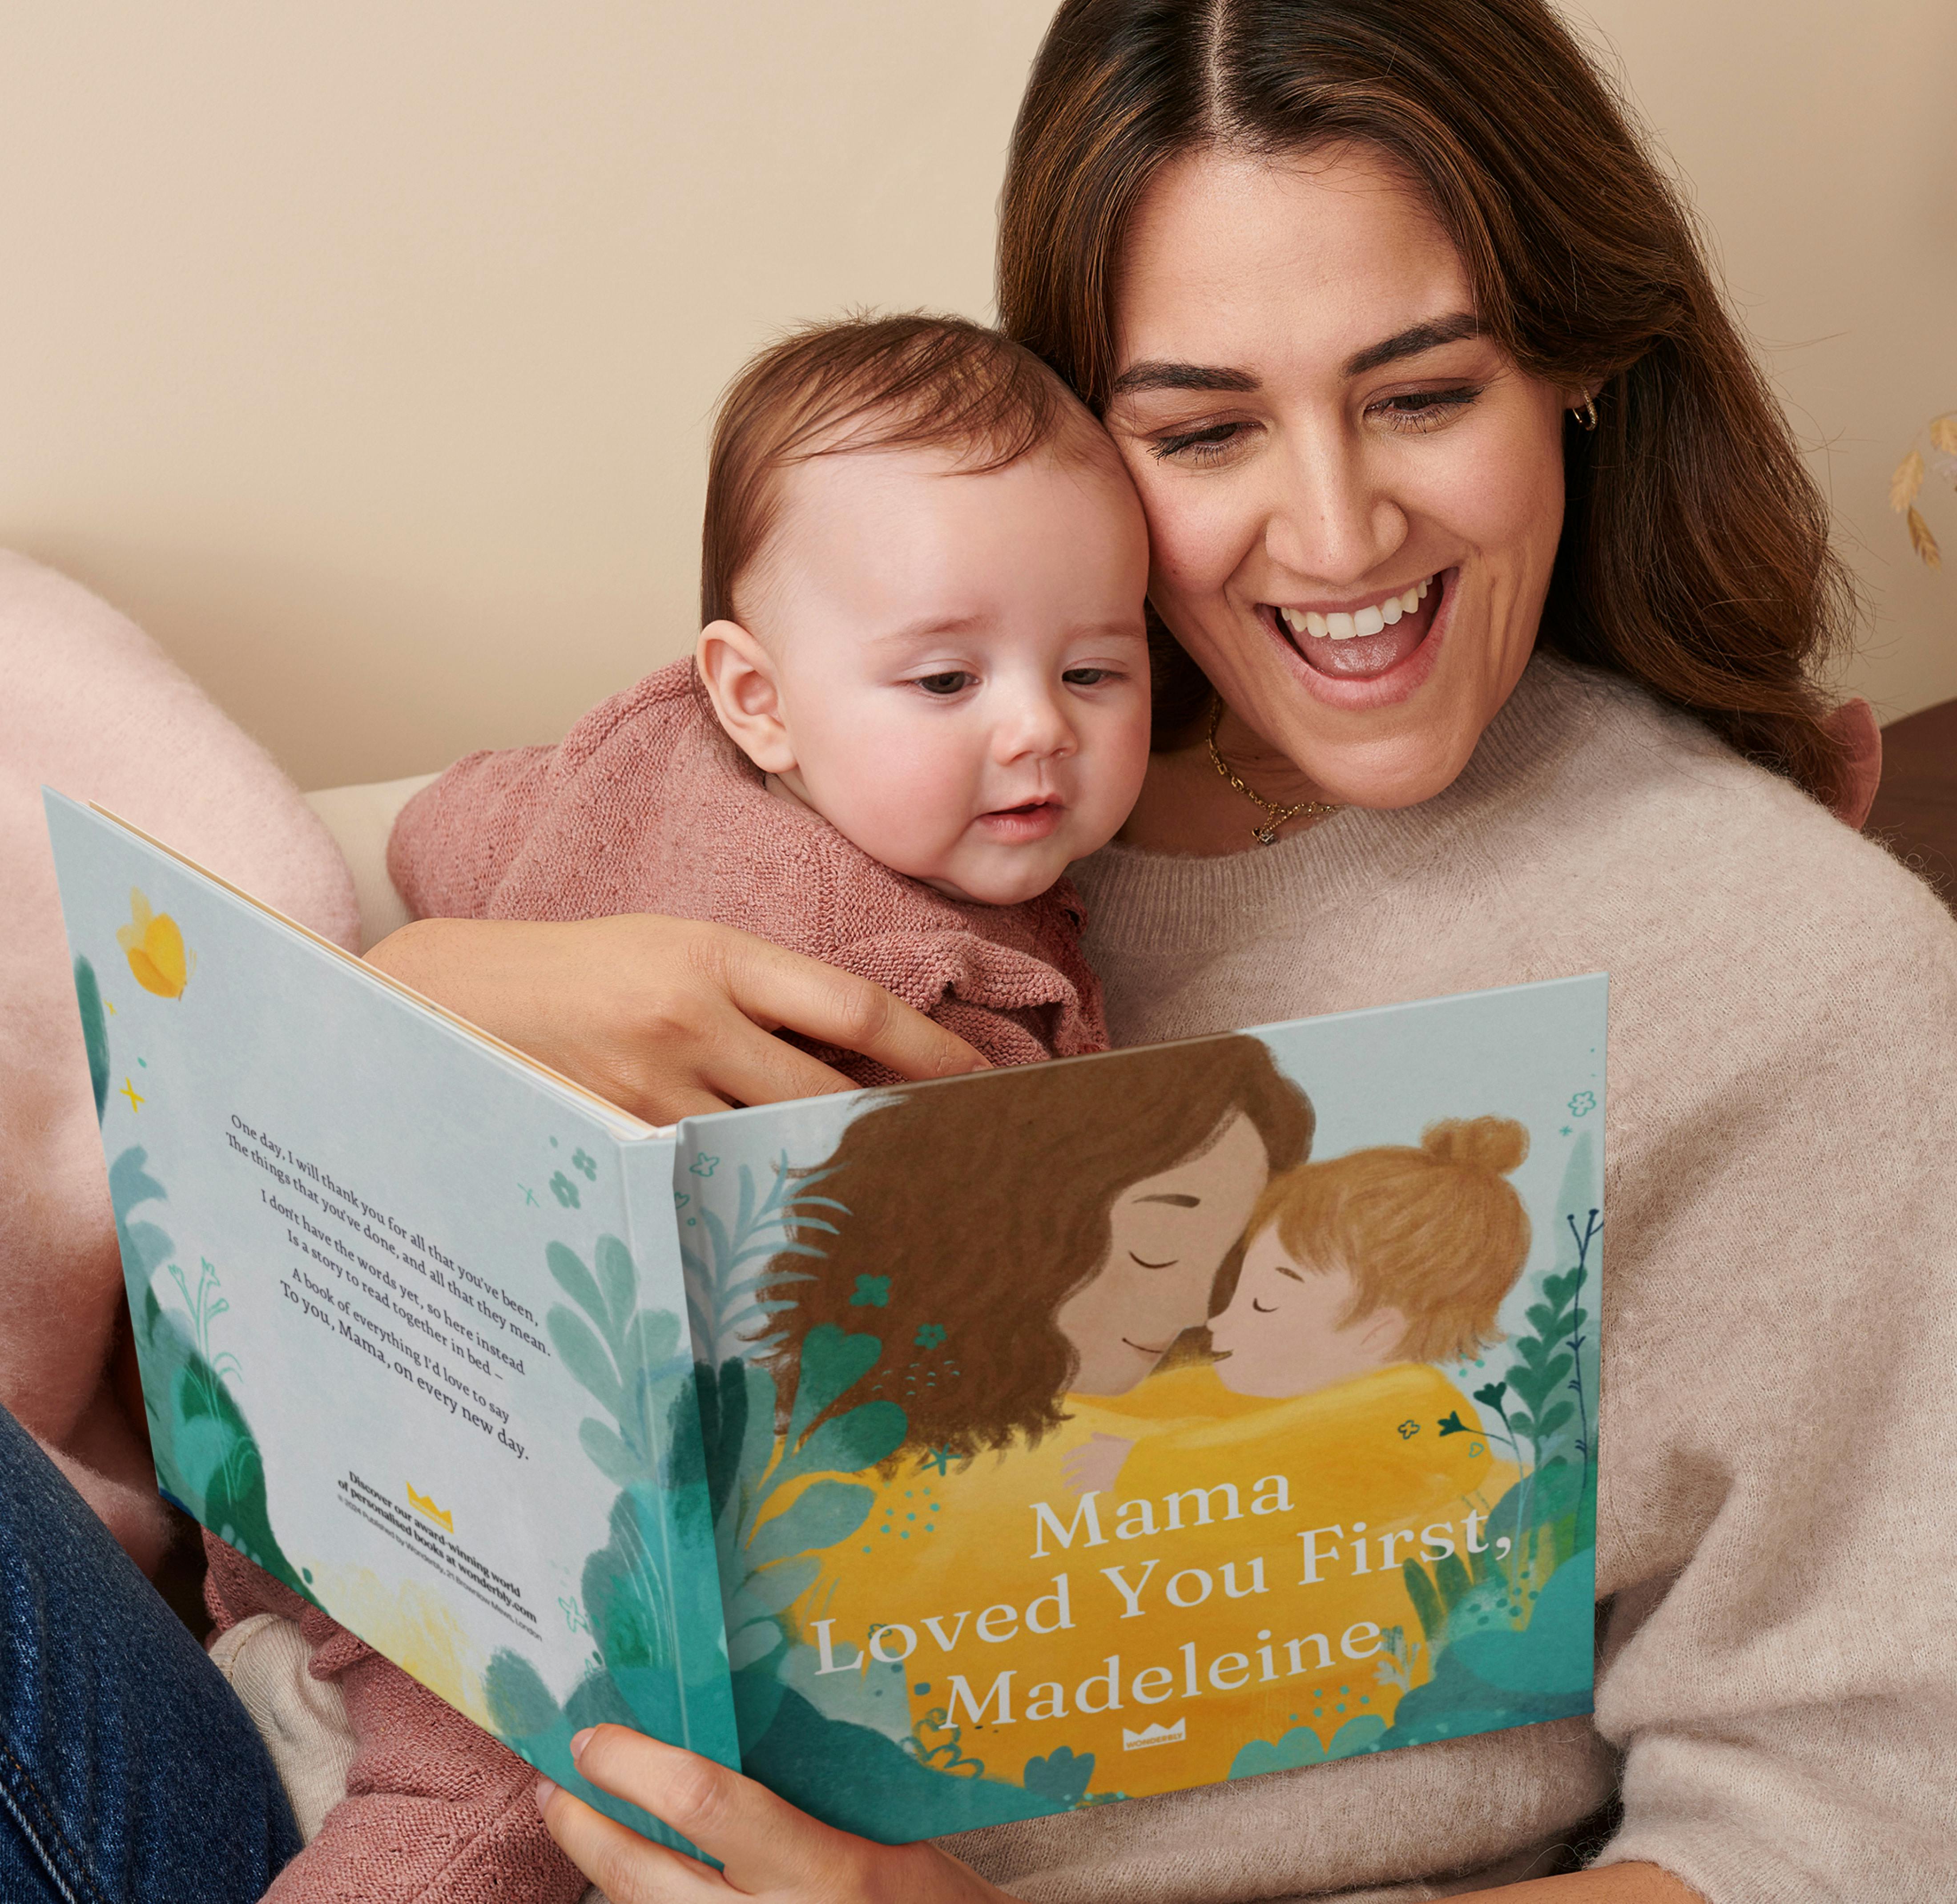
1377	1260
921	692
1387	1255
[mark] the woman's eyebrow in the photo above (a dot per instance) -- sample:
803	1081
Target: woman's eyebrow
1411	342
1429	335
1181	1202
1166	376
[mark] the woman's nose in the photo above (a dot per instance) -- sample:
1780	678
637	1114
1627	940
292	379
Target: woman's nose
1328	520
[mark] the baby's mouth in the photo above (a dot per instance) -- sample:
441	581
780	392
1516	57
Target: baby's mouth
1367	640
1031	820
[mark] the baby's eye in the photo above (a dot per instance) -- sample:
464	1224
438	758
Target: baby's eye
951	682
1087	677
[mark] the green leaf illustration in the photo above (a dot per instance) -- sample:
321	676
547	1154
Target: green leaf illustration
752	1644
94	1032
848	1443
576	1282
831	1364
619	1282
584	1355
773	1589
1426	1601
610	1457
823	1513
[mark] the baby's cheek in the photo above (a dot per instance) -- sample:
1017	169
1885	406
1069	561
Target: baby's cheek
902	800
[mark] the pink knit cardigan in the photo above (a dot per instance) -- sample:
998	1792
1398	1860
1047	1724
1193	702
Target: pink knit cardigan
646	806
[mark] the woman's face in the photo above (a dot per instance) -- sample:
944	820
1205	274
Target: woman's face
1169	1235
1319	435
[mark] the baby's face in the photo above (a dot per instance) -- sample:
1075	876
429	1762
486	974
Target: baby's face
1285	1332
961	661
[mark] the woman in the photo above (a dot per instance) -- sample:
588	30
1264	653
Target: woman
1124	1188
1468	501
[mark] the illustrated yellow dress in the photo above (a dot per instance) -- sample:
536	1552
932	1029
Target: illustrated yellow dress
1241	1576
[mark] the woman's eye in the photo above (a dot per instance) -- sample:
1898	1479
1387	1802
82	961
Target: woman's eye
1198	446
1423	409
950	682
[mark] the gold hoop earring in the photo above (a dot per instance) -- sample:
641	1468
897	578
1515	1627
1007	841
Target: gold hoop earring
1587	415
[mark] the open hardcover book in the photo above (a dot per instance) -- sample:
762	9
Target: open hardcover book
939	1457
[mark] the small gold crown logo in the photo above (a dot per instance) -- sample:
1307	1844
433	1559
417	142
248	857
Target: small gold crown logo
424	1504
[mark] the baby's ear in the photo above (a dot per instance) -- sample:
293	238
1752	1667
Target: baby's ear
740	679
1383	1333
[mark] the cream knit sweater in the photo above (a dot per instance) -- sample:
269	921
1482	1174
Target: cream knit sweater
1778	1524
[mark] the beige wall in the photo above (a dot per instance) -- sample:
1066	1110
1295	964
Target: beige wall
364	352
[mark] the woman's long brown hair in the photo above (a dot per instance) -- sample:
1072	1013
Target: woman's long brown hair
973	1210
1695	556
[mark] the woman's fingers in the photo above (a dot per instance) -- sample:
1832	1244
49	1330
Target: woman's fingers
628	1868
777	987
767	1848
763	1843
666	1017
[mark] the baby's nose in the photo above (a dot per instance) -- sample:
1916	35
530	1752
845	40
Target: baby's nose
1037	724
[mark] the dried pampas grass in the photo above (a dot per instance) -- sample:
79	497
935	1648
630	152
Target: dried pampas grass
1907	481
1922	541
1907	484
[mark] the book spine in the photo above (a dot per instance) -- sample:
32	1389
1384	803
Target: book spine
678	1483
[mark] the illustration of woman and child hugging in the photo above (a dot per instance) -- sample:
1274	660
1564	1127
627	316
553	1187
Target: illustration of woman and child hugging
1160	1512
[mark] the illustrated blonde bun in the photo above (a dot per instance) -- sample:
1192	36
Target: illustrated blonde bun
1497	1145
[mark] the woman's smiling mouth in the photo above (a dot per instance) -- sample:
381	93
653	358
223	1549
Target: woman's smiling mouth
1366	641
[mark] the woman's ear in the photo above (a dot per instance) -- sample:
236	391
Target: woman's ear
740	681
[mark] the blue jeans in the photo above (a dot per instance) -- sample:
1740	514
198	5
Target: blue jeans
129	1772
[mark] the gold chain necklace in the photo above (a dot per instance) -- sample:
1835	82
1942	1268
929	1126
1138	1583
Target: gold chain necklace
1265	835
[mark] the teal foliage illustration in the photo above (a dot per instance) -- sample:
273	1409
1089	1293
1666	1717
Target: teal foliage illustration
770	1560
851	1774
1302	1746
1062	1775
652	1606
1508	1630
1497	1676
858	1780
207	1458
736	1277
94	1032
628	1358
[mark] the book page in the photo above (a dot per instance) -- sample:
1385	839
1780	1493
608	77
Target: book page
409	1340
1110	1427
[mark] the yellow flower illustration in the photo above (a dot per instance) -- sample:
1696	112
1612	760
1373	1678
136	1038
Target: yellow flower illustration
155	948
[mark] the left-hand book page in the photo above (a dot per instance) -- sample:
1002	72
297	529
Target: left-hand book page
409	1311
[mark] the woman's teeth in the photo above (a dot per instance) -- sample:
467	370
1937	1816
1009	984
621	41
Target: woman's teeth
1373	620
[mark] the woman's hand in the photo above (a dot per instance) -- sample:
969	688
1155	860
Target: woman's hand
665	1017
768	1849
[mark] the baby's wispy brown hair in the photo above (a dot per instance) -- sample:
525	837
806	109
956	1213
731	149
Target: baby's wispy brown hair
1437	1232
913	381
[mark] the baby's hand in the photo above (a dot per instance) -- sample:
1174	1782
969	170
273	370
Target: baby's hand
1094	1467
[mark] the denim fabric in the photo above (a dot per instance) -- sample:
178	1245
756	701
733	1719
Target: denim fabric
129	1772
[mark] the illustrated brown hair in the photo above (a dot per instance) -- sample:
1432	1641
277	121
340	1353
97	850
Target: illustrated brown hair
975	1209
865	383
1694	557
1437	1233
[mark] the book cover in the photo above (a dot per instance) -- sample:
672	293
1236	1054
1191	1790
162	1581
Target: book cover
946	1455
